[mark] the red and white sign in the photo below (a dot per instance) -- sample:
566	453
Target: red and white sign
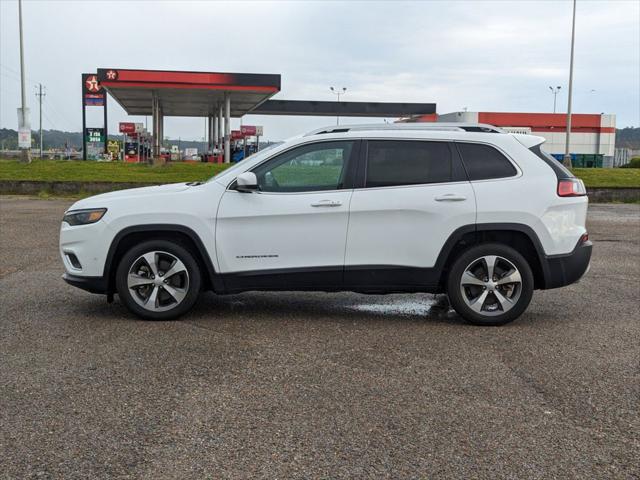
251	130
24	137
236	135
248	130
127	127
92	84
130	127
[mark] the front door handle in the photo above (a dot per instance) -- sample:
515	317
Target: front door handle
327	203
450	197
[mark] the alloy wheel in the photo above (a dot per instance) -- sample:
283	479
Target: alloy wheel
158	281
491	285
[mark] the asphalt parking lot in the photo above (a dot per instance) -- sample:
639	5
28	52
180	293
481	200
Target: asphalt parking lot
314	385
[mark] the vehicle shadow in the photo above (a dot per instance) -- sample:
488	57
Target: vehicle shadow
343	307
334	307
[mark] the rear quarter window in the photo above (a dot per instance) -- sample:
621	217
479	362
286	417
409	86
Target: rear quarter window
484	162
558	168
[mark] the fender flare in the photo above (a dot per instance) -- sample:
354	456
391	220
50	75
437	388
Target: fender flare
216	281
460	232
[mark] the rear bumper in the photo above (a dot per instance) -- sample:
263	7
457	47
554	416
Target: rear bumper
561	270
90	284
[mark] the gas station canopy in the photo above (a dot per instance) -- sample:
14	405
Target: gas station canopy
217	97
187	94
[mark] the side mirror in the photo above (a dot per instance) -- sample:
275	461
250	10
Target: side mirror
247	182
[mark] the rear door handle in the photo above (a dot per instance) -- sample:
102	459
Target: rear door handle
327	203
450	197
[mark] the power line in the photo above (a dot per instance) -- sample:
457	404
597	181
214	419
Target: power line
4	74
40	93
17	75
49	120
49	102
58	113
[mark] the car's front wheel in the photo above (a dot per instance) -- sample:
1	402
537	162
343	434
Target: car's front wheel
490	284
158	280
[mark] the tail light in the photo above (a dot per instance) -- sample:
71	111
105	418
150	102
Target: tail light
571	187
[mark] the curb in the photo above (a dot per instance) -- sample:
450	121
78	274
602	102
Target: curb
34	187
608	195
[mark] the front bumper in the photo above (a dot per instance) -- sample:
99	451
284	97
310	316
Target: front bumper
89	243
90	284
561	270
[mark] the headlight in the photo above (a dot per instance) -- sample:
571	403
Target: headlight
84	217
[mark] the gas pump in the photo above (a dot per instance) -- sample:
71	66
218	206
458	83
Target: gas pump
131	149
237	152
250	132
135	142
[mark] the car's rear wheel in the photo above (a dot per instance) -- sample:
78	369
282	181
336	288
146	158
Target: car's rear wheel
158	280
490	284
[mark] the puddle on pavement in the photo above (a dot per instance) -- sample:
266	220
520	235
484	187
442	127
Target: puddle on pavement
402	307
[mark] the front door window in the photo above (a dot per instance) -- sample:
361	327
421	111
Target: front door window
316	167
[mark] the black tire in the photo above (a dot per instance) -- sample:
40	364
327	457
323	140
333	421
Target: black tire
487	316
165	251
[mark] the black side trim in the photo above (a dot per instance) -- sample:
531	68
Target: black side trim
391	278
90	284
363	279
313	278
216	282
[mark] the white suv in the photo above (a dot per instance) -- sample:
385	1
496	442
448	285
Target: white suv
468	210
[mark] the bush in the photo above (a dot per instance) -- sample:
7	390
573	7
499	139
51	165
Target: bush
634	163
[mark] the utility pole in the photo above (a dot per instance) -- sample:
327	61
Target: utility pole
338	92
555	92
40	94
23	116
567	154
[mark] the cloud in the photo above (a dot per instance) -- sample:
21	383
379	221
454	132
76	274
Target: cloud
484	55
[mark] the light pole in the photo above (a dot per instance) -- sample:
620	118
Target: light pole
567	155
555	92
23	118
338	92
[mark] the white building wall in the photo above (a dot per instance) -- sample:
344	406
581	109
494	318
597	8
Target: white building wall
586	143
608	140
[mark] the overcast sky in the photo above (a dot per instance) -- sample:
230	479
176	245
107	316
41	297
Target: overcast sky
479	55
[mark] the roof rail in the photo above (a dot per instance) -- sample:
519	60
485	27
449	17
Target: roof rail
441	126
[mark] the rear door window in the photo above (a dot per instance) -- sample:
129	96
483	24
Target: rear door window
404	162
484	162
